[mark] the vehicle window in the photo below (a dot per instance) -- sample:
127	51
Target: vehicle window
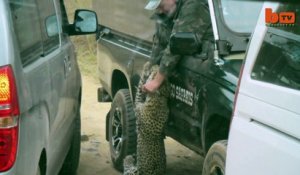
27	29
241	16
278	61
291	8
49	25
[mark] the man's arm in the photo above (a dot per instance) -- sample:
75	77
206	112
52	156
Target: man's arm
193	17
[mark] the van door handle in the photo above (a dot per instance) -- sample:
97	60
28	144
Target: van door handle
67	65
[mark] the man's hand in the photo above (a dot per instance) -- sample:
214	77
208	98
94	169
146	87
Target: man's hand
153	85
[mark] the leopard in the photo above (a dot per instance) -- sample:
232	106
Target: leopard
152	111
130	165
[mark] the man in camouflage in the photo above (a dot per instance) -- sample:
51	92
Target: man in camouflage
188	16
171	16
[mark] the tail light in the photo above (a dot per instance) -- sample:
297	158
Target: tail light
9	112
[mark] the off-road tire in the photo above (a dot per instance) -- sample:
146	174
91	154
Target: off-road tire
72	160
122	128
214	162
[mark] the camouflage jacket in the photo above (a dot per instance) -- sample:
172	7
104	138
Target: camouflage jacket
191	16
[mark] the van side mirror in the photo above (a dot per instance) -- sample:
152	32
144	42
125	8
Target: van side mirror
184	43
85	22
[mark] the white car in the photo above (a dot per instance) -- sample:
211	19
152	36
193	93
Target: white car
264	137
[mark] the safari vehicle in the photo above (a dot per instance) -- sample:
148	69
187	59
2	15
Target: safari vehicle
202	90
264	135
40	87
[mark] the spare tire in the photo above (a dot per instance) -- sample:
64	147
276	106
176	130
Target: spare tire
122	128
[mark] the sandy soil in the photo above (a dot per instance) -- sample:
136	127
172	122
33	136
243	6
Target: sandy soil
95	155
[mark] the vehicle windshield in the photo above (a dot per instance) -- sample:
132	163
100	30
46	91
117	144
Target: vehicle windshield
241	16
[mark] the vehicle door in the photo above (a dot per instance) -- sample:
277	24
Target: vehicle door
267	111
71	69
204	85
59	137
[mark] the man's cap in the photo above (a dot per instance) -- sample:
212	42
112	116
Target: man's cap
152	4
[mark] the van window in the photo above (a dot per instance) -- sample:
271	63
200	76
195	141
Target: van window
27	29
295	8
278	61
49	25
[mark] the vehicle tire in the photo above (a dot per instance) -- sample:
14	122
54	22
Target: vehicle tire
72	160
122	128
214	162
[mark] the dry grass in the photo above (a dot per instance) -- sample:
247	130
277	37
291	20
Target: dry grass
85	45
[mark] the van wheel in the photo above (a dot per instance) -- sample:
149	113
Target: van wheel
122	128
214	163
72	160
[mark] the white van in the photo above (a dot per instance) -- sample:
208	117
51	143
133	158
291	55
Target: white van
40	87
264	136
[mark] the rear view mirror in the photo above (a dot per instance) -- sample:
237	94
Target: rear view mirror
184	43
85	22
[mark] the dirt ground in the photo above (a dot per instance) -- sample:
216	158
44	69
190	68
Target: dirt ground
95	155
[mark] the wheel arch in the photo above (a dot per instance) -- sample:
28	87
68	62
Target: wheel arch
215	128
119	81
